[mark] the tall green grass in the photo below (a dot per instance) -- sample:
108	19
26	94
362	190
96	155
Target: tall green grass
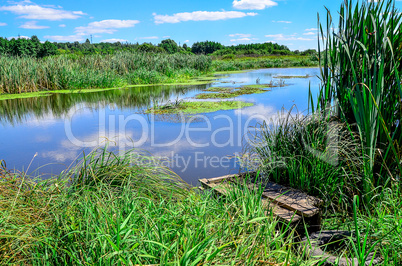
265	62
68	72
360	66
111	211
315	154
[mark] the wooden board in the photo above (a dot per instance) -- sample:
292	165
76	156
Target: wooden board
288	204
221	184
282	213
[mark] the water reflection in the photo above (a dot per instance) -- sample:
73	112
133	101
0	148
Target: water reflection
58	105
58	128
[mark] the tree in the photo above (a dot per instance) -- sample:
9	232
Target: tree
170	46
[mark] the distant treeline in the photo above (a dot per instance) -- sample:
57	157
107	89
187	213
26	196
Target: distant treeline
33	47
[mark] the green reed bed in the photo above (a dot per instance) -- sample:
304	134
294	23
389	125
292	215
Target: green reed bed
115	211
348	146
360	78
70	72
265	62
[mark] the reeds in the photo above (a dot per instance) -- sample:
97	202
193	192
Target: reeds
116	211
69	72
360	66
313	153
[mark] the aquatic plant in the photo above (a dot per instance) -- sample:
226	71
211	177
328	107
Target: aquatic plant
360	66
72	72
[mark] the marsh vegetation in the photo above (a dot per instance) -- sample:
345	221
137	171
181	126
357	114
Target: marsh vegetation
111	209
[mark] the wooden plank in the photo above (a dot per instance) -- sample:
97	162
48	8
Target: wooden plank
282	213
291	199
218	187
287	204
219	179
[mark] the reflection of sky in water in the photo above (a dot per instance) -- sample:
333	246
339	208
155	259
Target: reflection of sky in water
198	140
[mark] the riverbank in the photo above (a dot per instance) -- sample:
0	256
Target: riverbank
65	74
116	211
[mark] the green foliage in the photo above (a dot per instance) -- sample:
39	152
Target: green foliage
262	62
360	69
206	47
118	212
69	72
169	46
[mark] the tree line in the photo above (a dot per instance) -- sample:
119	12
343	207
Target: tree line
33	47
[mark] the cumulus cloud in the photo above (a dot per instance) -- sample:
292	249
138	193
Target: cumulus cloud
282	21
240	35
199	16
309	33
282	37
3	24
311	29
18	37
241	39
62	25
31	25
114	40
253	4
105	26
149	38
69	38
32	11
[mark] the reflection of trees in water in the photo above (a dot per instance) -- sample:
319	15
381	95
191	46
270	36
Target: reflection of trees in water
59	104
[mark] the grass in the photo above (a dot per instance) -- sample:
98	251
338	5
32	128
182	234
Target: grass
365	55
225	93
129	210
197	107
247	63
71	72
116	211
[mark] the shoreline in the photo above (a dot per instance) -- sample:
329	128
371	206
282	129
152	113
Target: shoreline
199	80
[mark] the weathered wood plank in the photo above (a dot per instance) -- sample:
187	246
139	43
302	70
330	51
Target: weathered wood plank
288	204
293	200
282	213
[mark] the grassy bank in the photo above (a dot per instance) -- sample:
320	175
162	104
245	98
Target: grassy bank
244	63
24	74
116	211
69	73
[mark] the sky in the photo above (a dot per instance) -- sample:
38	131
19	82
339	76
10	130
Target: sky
288	22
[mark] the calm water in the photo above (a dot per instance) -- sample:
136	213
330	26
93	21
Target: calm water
47	134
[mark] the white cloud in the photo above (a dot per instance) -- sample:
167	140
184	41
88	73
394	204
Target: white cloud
311	29
199	16
253	4
18	37
114	40
186	41
282	21
293	37
69	38
3	24
105	26
241	39
149	38
309	33
31	25
40	12
240	35
62	25
165	37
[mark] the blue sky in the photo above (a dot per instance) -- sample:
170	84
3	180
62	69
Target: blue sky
289	22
